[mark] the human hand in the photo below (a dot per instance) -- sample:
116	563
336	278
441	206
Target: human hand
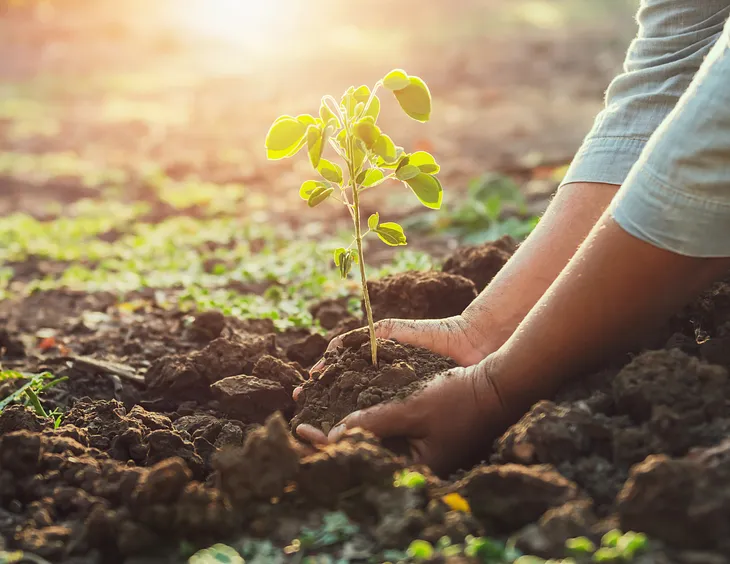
448	423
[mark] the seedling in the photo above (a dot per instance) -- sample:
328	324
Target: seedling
370	158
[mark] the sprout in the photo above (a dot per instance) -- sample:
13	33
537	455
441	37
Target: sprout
407	479
580	545
420	550
370	157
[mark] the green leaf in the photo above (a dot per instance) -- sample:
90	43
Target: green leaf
345	265
309	186
328	116
370	177
396	79
415	99
366	130
427	189
385	149
407	172
391	234
349	102
306	119
330	171
339	251
373	220
425	162
580	545
420	550
607	554
315	144
362	94
319	195
285	138
373	109
610	539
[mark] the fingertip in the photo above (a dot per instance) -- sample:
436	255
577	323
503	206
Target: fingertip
311	434
297	391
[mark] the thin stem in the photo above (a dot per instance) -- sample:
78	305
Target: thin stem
361	255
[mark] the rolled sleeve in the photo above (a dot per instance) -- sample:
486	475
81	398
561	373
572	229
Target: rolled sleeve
677	195
673	39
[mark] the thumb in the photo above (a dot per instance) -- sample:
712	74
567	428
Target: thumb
407	331
390	419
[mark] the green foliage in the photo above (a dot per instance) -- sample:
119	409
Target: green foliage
408	479
369	155
420	550
20	557
580	546
27	394
217	554
336	528
494	206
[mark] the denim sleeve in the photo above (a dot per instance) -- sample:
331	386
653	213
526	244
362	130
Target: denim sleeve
677	195
674	37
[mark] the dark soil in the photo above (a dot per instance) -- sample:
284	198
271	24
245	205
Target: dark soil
420	295
481	263
351	382
177	428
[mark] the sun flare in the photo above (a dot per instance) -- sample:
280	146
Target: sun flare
244	22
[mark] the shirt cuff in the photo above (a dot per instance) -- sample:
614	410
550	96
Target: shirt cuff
670	219
607	160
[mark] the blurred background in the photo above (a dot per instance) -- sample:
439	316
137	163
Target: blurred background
131	133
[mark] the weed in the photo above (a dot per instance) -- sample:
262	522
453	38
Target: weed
27	394
370	157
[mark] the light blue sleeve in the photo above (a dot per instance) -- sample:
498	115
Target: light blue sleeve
673	39
677	195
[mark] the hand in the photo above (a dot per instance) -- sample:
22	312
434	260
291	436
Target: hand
448	423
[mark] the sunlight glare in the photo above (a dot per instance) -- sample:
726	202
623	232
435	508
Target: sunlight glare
243	22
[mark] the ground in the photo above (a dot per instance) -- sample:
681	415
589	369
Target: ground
169	290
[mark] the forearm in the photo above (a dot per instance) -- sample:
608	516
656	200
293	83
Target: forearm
613	291
508	298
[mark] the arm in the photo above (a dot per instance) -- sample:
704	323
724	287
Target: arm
673	40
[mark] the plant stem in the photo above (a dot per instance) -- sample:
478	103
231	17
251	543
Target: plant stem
366	295
358	240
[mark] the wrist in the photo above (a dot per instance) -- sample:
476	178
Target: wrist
484	332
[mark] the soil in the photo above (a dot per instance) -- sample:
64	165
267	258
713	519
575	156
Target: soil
177	428
351	382
420	295
481	263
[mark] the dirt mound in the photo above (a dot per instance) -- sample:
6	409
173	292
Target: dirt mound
350	381
420	295
481	263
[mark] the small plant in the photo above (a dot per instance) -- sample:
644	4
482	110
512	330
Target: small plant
370	158
28	393
408	479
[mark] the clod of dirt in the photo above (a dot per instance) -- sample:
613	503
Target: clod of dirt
330	312
206	326
506	498
420	295
190	376
339	468
481	263
261	469
684	502
251	399
163	483
20	418
546	538
550	434
693	390
350	382
20	452
276	370
307	351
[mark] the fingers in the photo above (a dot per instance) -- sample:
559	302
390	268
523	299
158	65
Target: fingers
311	434
296	392
333	345
385	420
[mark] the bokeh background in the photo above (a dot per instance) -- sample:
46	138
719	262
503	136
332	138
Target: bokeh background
131	134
